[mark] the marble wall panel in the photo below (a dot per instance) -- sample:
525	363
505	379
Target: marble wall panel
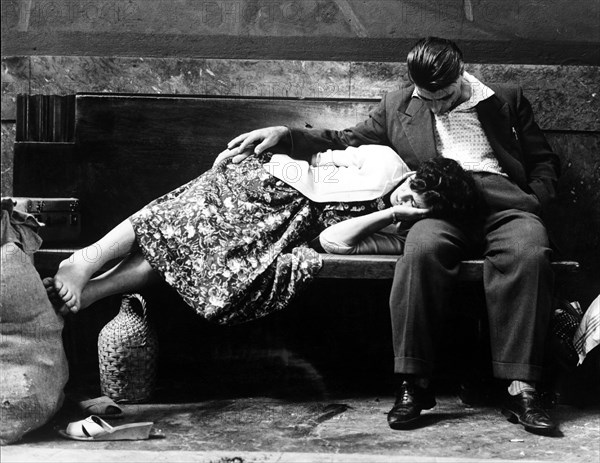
6	160
274	78
15	80
563	97
578	203
372	80
574	222
265	78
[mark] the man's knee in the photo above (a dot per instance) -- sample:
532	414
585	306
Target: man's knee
430	240
534	256
521	241
530	256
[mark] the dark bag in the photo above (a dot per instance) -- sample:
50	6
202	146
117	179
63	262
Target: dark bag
561	357
565	320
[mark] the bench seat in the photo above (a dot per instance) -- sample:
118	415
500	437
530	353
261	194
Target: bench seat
374	267
357	267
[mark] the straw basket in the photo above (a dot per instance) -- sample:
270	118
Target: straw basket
127	353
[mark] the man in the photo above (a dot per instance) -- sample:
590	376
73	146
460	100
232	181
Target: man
490	131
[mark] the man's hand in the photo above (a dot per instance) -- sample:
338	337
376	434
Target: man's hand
238	156
255	142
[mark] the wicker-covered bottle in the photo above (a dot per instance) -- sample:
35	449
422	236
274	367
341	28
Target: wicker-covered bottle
127	353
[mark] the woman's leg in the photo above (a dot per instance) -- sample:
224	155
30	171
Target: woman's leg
65	289
131	274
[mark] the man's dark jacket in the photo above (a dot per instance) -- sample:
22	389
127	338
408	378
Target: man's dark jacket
405	124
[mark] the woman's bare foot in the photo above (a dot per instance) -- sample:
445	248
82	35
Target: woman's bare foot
66	288
58	304
51	292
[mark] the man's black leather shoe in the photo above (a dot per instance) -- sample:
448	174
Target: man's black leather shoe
525	408
410	400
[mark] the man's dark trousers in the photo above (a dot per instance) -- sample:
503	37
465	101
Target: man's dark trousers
517	278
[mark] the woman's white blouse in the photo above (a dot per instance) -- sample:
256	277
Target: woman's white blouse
355	174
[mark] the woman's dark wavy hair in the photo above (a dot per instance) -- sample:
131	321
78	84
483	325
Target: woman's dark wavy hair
434	63
447	189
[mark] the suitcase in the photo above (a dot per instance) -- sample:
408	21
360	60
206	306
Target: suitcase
61	217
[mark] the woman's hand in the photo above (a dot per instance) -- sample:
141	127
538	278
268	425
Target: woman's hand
255	142
408	212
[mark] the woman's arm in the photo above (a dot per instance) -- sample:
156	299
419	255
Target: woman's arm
349	233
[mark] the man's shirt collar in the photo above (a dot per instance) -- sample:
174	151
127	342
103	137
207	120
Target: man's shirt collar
479	92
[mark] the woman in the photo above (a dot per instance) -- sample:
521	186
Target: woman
440	186
233	242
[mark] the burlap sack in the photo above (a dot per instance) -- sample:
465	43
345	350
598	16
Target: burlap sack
33	365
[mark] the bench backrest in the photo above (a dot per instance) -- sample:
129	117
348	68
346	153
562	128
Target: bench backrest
128	149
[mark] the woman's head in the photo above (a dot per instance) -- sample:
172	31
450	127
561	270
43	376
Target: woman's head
441	185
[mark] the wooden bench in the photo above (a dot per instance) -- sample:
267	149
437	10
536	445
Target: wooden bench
116	152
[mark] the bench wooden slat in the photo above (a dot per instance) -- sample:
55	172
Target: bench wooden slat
382	267
358	267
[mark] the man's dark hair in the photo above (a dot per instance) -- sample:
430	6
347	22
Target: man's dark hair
434	63
447	189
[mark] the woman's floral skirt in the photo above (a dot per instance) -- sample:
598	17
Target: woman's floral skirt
233	242
230	242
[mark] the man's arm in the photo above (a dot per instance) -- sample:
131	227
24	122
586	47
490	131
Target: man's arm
541	163
255	142
303	143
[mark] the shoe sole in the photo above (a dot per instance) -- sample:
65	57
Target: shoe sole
514	418
410	424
